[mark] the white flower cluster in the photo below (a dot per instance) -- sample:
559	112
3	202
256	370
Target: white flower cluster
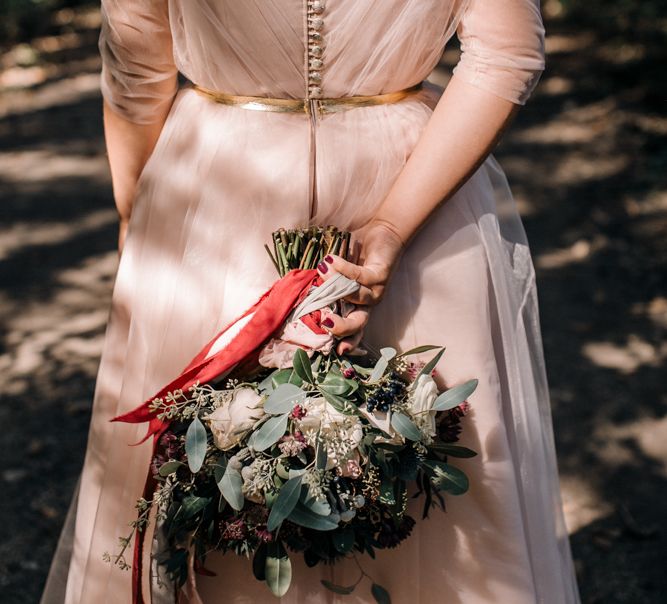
257	478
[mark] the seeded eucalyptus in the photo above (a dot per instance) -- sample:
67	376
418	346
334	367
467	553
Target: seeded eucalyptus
305	248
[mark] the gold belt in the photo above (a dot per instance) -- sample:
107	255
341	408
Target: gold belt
308	106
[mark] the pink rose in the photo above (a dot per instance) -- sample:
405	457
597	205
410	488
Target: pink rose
279	351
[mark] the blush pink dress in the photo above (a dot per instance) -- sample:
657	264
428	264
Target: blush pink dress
222	178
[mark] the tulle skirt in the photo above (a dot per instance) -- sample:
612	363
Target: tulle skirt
220	180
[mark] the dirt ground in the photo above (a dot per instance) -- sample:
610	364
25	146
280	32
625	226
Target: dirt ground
587	160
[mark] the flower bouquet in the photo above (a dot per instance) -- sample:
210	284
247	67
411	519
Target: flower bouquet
277	444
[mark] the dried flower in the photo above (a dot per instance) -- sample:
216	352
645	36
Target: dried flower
391	535
291	446
234	530
298	412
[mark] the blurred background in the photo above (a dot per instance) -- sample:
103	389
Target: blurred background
587	160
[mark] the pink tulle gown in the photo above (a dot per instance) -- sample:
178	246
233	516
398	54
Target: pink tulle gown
222	178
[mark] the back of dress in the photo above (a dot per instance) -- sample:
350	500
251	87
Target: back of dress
222	178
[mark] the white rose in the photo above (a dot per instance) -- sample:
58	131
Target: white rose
321	415
230	422
422	400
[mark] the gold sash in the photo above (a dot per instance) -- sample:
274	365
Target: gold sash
308	106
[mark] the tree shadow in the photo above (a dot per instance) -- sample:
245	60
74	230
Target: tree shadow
586	159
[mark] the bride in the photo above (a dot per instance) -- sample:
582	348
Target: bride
317	112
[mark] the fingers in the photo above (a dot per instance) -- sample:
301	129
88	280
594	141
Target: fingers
371	279
352	324
335	264
347	345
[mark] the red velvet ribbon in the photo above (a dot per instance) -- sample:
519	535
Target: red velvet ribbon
270	313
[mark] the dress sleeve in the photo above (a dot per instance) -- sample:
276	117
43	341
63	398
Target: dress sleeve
502	47
139	78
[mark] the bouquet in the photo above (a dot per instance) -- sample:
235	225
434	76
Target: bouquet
284	446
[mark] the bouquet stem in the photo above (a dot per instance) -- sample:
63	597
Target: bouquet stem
305	248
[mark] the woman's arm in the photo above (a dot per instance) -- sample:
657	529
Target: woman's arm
464	127
138	81
502	56
129	146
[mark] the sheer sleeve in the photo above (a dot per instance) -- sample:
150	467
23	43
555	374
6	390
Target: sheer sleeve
502	47
139	77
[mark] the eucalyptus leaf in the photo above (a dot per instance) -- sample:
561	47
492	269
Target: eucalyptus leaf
453	450
282	471
283	399
266	386
418	350
270	432
278	573
387	491
302	516
339	403
361	370
301	364
448	478
380	594
195	445
288	496
280	377
295	379
169	467
405	427
259	562
321	507
335	384
430	366
321	456
454	396
231	487
191	505
219	471
338	589
388	353
378	370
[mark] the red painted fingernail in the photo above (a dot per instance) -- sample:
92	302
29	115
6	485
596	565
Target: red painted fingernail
323	268
327	323
329	259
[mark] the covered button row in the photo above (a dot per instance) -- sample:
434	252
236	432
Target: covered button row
315	47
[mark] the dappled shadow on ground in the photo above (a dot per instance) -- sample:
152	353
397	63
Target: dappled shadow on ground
586	160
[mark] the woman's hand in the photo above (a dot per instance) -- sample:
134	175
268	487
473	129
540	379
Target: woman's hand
380	248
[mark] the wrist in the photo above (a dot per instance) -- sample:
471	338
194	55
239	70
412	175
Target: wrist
390	230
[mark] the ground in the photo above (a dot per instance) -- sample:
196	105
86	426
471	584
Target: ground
587	160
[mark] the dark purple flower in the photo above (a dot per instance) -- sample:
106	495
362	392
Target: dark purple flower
234	530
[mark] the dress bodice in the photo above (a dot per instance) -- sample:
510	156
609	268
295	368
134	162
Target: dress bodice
311	48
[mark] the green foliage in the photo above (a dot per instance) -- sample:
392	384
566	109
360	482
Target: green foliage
301	364
285	502
270	432
405	427
454	396
338	589
278	570
231	486
283	399
195	445
380	594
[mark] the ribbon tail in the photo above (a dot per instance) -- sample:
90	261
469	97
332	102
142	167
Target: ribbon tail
270	312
